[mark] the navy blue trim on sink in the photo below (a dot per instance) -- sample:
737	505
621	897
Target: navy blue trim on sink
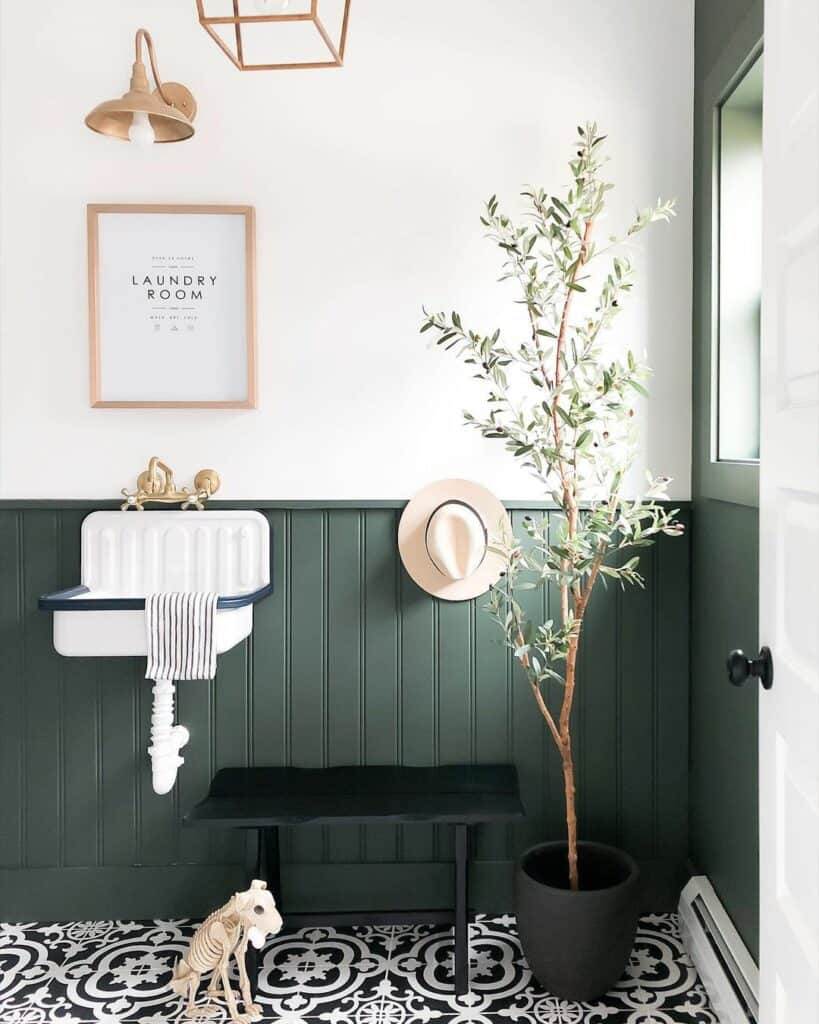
67	601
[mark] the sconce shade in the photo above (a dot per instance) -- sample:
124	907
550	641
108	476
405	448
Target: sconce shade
114	117
274	35
169	109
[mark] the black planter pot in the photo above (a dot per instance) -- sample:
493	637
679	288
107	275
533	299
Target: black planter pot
577	943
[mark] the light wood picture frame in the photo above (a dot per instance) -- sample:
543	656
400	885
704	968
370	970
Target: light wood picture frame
171	306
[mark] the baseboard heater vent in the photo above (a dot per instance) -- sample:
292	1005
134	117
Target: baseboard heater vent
727	969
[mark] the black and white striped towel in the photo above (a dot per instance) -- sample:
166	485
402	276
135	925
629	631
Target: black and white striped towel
181	635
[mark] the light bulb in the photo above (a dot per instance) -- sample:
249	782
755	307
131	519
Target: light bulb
141	131
266	6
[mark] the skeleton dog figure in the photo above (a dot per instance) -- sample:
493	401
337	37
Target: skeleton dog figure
248	916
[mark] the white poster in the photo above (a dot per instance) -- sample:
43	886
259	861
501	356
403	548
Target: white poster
171	307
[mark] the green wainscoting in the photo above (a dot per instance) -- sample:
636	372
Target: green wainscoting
349	663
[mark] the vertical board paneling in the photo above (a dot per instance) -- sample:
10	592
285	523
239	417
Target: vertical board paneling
270	723
637	713
307	681
455	667
41	726
80	747
490	717
455	696
349	662
381	667
120	759
12	740
344	720
418	705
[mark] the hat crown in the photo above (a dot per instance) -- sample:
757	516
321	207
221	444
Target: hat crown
456	539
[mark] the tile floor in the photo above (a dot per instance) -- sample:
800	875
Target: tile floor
113	972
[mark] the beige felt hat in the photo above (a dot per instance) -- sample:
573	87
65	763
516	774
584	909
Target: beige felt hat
444	537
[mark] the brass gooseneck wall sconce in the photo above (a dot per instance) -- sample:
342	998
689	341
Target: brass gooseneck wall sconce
142	116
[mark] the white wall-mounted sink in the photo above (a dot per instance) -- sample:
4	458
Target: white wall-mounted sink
128	555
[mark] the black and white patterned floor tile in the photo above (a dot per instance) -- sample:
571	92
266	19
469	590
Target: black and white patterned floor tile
113	972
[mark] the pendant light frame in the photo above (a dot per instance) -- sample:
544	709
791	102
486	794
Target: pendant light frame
240	21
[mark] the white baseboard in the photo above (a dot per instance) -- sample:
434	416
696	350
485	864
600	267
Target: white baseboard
721	958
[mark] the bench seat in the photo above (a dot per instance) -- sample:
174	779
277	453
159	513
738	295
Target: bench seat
260	797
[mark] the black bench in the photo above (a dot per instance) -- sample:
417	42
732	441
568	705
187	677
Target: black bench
459	795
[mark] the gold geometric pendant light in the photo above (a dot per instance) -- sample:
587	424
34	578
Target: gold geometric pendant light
274	35
142	116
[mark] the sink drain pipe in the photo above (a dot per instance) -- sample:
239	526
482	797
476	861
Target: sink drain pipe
167	739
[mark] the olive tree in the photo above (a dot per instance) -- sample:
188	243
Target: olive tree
560	398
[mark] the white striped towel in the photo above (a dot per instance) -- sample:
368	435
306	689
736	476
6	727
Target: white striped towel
181	635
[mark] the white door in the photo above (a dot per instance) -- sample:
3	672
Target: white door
789	518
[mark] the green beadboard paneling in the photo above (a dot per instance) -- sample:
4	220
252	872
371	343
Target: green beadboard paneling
12	707
349	663
343	652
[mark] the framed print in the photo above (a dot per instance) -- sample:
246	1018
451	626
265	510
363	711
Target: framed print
171	306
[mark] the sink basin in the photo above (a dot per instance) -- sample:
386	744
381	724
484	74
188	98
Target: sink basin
128	555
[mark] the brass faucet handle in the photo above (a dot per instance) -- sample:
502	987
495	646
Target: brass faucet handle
132	500
207	480
146	482
193	500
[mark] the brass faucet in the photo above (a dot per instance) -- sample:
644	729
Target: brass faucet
156	483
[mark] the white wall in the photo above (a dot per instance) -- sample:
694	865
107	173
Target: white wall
368	183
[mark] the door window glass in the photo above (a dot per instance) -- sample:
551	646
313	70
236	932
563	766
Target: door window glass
740	269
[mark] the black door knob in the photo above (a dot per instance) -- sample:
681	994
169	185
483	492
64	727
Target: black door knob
740	668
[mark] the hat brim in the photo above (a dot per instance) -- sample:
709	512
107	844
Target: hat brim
412	538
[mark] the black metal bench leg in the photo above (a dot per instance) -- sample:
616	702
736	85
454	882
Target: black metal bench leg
461	912
269	870
252	968
251	953
272	866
